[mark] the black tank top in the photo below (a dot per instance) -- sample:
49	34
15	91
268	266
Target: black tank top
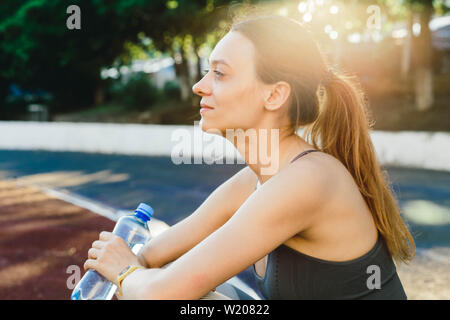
293	275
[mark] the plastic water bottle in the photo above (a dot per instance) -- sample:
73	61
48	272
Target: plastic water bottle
134	230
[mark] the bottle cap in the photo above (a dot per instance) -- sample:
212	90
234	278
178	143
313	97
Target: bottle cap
144	211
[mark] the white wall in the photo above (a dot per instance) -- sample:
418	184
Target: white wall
430	150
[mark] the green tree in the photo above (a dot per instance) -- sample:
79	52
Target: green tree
37	50
181	29
418	50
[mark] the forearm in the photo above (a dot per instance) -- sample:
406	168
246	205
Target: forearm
141	284
162	284
168	246
174	242
158	251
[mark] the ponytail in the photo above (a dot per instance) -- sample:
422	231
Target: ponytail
343	129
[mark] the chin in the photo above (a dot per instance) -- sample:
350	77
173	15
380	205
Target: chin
209	127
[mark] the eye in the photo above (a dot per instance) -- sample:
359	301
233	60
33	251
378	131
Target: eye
218	73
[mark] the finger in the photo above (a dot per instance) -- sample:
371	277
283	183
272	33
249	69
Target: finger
105	235
90	264
116	239
93	253
98	244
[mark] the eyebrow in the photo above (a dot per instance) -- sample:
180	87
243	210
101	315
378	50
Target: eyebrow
214	62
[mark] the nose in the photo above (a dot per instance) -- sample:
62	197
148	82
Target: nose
200	88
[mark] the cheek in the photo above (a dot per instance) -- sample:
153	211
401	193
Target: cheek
238	98
238	106
250	104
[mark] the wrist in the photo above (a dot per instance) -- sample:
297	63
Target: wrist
124	274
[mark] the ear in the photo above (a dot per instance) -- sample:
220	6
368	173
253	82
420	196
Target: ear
277	95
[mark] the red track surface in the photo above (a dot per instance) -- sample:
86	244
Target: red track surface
40	237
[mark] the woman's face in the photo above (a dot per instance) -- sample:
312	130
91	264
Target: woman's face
231	87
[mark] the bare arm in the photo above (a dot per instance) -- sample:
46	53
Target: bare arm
267	219
214	212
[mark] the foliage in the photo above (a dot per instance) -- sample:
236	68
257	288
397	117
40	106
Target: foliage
172	89
137	93
38	51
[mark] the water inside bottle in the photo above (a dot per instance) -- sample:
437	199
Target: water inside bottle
96	287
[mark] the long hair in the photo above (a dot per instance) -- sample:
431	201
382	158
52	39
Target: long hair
331	107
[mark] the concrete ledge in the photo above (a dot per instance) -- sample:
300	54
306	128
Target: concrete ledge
428	150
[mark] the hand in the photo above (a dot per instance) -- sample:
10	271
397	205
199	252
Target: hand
110	255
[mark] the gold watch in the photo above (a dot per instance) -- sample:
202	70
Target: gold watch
123	274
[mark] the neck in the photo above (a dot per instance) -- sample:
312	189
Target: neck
267	151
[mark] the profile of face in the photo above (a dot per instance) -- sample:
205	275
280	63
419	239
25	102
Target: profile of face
231	87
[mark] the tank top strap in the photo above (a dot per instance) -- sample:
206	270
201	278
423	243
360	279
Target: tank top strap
303	153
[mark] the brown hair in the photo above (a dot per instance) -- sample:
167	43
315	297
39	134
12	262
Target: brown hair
331	106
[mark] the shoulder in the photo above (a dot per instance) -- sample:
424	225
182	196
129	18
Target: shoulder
289	201
315	171
304	186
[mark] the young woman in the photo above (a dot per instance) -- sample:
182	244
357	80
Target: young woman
323	223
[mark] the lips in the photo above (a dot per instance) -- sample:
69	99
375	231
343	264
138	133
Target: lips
205	106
